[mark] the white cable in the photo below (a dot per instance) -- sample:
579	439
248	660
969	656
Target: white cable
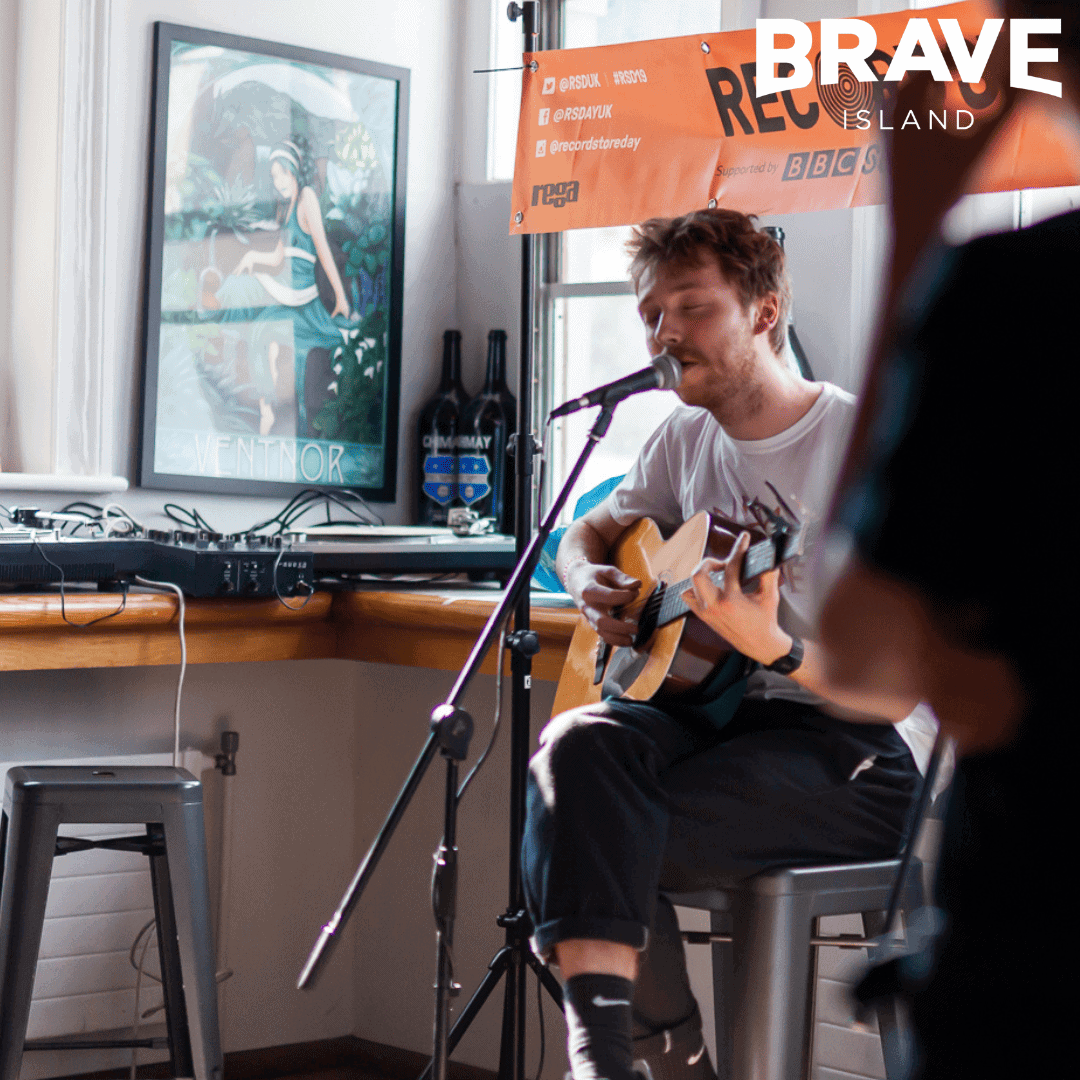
168	586
114	511
146	934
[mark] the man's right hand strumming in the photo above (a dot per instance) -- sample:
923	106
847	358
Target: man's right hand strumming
598	590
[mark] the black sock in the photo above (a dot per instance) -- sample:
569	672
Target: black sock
598	1020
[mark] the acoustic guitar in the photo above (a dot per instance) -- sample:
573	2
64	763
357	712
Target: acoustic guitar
674	652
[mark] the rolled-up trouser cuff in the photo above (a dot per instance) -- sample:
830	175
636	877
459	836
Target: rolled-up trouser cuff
620	931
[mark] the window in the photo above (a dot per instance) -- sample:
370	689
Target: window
592	331
504	93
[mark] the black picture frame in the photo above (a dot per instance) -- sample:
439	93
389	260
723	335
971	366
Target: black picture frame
256	148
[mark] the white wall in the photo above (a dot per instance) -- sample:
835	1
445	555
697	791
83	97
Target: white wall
8	37
7	133
324	745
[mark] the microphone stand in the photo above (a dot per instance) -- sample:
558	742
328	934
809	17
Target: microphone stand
451	729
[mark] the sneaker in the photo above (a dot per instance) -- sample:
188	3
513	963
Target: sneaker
677	1053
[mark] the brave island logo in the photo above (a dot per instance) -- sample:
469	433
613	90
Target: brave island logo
855	78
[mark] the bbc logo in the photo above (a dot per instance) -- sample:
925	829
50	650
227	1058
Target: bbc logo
820	164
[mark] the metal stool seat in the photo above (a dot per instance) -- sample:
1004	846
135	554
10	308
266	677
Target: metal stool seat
764	935
37	800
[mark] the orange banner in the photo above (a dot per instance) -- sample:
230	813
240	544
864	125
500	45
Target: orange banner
618	133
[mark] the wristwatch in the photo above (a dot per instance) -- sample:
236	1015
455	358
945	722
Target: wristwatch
790	661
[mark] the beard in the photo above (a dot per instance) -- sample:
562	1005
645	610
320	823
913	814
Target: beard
731	388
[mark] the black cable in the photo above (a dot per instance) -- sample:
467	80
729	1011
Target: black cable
297	504
548	435
277	591
540	1014
178	514
74	526
190	519
311	498
74	506
63	581
500	654
276	519
368	517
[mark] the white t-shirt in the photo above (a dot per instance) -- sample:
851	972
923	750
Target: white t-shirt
690	464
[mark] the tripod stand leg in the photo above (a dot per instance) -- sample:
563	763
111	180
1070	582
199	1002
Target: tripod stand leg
547	980
512	1051
500	963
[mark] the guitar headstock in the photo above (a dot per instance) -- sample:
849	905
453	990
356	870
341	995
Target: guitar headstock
776	537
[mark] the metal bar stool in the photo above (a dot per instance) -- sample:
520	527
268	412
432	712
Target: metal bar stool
764	937
37	800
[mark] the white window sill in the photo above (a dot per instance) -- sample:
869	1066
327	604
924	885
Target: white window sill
76	485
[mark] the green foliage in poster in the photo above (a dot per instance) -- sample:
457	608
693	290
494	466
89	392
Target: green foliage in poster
356	412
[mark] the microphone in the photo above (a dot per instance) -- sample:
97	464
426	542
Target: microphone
664	373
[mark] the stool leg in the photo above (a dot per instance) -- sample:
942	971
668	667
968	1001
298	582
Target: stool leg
896	1044
28	856
723	974
172	972
772	978
184	832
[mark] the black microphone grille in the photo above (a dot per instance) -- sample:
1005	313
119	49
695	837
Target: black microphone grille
669	370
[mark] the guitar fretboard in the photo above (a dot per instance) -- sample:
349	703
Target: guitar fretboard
666	603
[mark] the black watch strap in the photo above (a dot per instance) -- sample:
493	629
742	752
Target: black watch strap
790	661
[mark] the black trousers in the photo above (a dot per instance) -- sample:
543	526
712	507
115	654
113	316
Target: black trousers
627	800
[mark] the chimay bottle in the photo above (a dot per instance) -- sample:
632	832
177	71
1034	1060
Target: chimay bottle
438	434
485	472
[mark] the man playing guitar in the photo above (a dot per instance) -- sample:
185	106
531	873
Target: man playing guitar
630	798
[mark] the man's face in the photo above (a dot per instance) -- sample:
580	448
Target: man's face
696	314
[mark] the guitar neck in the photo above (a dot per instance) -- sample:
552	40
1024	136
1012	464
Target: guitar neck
667	603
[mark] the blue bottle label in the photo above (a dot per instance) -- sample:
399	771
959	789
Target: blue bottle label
474	475
440	478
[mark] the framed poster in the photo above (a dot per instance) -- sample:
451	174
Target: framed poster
272	357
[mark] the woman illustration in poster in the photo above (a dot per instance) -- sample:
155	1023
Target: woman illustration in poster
287	278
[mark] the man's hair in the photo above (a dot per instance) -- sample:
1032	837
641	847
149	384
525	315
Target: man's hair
751	260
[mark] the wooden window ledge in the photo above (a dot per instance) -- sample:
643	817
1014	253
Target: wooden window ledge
418	629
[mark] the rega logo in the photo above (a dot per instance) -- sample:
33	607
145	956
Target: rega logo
559	194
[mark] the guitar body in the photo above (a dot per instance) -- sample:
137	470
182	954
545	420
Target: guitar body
676	657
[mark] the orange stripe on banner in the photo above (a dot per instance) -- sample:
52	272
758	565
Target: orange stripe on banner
619	133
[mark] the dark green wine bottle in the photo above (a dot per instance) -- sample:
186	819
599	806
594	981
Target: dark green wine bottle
437	438
485	471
